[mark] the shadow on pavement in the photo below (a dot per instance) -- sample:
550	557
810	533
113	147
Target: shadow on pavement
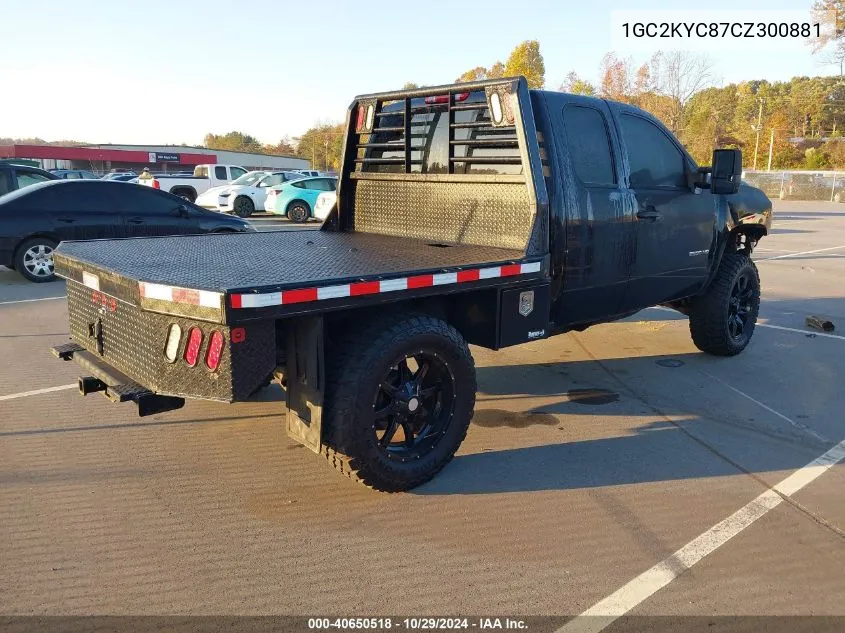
658	451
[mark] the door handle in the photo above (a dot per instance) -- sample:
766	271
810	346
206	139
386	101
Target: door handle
67	220
135	220
649	213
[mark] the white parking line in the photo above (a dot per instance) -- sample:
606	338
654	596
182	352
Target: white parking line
37	392
3	303
793	423
620	602
768	325
818	250
792	329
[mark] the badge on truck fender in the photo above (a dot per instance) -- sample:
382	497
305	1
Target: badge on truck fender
526	302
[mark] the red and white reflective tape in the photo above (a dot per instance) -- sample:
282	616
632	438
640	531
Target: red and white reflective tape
204	298
355	289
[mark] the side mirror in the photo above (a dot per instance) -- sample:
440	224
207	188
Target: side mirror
726	173
183	211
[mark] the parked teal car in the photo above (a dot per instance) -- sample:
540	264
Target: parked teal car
296	199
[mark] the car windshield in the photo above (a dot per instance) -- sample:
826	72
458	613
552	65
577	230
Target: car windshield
250	178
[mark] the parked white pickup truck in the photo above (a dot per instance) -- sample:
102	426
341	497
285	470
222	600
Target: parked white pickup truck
190	187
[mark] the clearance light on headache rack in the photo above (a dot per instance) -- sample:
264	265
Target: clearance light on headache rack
503	103
360	122
435	99
366	117
496	107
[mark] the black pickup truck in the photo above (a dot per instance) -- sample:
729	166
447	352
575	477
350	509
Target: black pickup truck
482	213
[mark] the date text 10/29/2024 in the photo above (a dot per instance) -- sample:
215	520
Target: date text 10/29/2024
416	624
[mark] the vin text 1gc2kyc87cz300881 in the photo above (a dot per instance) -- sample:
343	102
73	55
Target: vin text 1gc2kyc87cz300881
482	213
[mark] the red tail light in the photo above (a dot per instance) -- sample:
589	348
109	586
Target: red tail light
192	349
461	96
156	184
360	122
215	351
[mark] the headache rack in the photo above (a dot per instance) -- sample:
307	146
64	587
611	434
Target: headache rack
455	164
460	129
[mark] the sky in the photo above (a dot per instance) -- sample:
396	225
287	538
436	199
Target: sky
169	72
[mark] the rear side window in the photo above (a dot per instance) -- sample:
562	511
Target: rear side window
76	198
220	172
655	161
147	201
589	145
26	178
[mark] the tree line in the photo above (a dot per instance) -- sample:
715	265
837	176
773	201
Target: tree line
800	120
799	123
795	124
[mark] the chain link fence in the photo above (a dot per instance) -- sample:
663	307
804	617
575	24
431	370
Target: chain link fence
799	185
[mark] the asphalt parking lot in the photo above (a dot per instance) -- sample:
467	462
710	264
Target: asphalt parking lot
617	470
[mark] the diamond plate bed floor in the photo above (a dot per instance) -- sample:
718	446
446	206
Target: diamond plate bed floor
275	259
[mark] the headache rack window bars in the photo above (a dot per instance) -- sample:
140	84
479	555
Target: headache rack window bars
448	134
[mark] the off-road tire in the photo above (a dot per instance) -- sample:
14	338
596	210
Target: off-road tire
299	212
353	372
708	314
243	207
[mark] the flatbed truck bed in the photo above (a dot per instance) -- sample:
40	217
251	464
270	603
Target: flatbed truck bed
233	277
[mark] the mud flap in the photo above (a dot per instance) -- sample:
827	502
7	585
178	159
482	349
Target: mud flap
305	376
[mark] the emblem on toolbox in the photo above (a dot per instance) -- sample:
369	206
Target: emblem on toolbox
526	302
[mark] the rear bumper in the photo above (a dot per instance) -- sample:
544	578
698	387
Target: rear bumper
116	386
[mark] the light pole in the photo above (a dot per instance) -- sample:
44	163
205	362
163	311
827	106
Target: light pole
771	147
757	129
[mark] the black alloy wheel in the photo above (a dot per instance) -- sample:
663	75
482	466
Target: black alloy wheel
740	305
413	406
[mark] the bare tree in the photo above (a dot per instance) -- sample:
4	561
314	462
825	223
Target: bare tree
835	57
832	13
678	75
616	78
